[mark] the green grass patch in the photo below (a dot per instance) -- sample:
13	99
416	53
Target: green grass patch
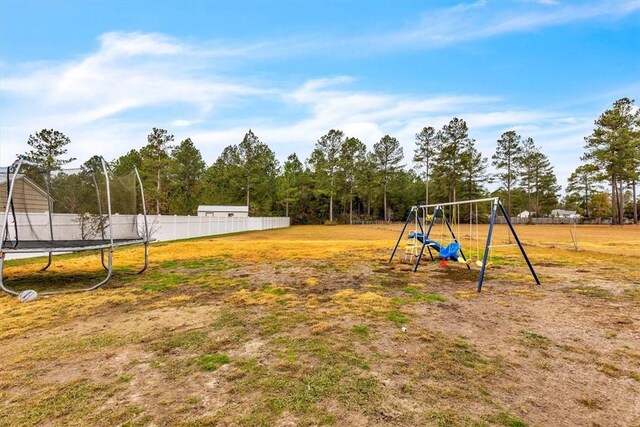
462	352
447	417
531	339
273	290
592	291
158	282
72	399
230	318
398	318
361	331
417	295
125	378
211	362
631	294
190	340
508	420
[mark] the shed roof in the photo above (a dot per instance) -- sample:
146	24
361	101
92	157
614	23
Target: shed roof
20	176
222	208
562	212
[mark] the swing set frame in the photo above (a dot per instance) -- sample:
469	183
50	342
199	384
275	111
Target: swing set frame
496	204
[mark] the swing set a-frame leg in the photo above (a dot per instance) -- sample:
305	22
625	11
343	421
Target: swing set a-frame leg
494	207
404	227
515	236
425	236
498	204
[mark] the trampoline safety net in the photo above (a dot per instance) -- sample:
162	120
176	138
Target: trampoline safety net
69	207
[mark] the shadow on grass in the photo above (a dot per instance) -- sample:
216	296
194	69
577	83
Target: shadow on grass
45	281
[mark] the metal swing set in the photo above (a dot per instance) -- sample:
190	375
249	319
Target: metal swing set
419	239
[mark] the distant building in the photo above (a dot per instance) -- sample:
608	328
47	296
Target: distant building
525	214
561	213
27	195
222	211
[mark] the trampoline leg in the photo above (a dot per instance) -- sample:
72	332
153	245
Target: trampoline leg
48	262
106	279
2	287
146	258
102	259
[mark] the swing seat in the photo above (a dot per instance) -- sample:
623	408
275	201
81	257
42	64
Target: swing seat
450	252
479	264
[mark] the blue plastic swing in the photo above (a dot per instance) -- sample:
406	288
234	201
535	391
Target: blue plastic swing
444	252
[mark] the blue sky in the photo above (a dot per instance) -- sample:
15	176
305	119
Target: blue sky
105	73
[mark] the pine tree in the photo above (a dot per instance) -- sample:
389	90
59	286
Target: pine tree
244	173
352	157
366	183
186	170
506	159
48	147
290	181
259	165
387	155
473	167
581	185
600	204
125	164
224	183
545	184
424	153
154	166
613	148
528	161
324	162
451	142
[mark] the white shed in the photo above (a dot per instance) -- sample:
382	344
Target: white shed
222	211
561	213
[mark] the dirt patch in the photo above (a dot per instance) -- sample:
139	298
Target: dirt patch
330	334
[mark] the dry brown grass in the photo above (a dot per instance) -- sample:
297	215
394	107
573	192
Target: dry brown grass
304	326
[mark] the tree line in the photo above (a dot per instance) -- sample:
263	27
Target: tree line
343	181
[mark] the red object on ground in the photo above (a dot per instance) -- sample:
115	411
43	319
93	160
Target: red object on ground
443	263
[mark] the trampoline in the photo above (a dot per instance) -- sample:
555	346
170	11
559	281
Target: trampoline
71	210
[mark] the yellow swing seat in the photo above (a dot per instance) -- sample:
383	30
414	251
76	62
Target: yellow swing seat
479	264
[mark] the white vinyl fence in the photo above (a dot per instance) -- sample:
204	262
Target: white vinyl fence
161	227
174	227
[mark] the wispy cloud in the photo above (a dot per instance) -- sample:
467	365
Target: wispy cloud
108	99
483	19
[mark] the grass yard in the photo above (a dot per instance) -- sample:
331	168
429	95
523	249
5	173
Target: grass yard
310	326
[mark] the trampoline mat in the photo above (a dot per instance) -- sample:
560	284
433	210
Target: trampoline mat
64	245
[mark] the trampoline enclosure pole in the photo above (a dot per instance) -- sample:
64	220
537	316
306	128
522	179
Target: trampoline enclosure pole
146	224
4	228
110	259
5	222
